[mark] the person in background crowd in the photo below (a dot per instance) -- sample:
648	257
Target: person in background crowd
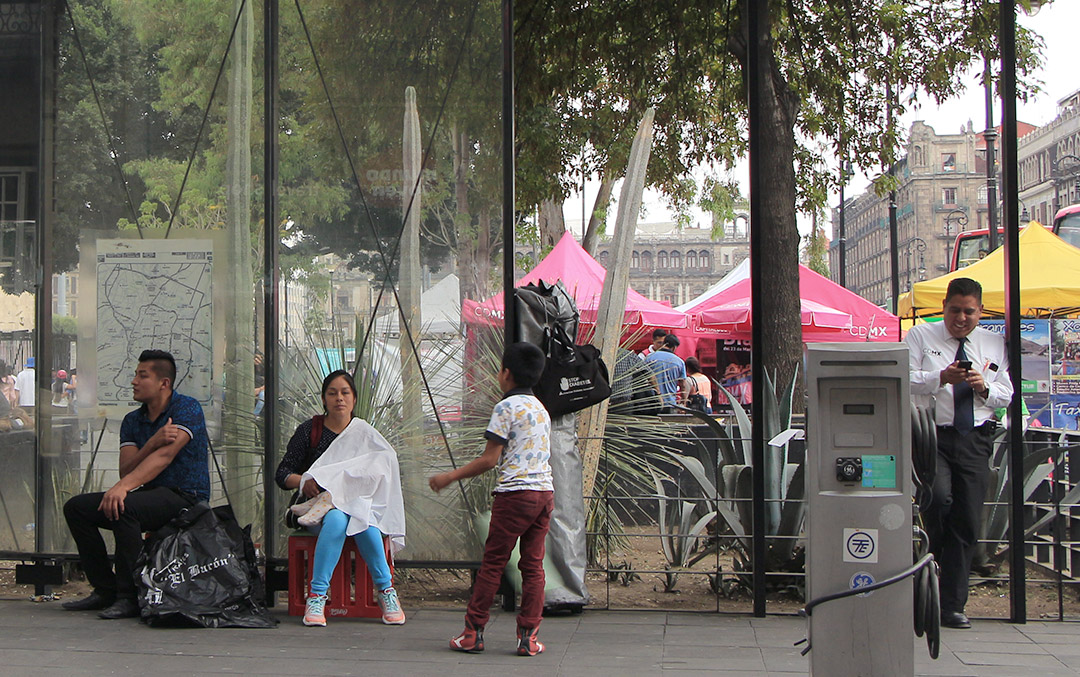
669	372
697	383
657	343
25	383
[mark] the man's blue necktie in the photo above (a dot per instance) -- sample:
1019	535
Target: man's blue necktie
963	399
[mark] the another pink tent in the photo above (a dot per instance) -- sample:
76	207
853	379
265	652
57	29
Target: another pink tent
868	322
583	277
735	313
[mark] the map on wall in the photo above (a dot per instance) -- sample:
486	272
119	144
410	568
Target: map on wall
154	294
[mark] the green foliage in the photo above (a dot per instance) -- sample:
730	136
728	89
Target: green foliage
815	251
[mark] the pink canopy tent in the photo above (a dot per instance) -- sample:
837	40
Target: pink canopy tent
583	278
734	313
822	298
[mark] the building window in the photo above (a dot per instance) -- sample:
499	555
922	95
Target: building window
727	258
704	256
646	261
635	260
948	196
661	260
676	260
948	162
604	259
982	195
691	259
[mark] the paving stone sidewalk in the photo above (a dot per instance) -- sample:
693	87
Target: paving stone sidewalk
43	639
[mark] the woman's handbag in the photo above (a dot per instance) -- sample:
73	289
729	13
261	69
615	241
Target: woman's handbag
695	400
574	376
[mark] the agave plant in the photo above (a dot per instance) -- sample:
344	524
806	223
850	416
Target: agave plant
729	495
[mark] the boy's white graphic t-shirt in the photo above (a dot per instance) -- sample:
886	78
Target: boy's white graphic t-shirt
521	422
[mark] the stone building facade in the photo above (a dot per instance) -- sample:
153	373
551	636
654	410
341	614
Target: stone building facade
675	264
942	191
1050	162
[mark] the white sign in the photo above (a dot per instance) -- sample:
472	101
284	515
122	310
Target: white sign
861	545
154	294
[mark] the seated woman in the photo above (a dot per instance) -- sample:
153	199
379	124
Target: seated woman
349	474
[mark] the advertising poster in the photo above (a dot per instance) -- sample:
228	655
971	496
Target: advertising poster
1035	363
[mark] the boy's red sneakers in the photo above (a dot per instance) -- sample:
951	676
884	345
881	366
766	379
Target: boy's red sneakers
470	640
527	642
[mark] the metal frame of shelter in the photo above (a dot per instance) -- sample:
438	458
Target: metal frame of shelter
47	568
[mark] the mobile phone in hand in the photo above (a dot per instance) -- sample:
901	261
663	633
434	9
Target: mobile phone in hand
964	364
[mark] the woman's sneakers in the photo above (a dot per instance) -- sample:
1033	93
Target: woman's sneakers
470	640
315	614
391	607
528	645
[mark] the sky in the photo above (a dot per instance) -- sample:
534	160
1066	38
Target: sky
1058	24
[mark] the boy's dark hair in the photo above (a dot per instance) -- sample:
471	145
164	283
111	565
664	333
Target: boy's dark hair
658	333
671	341
525	362
161	363
964	286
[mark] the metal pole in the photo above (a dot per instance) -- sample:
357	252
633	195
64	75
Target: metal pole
894	235
1010	188
756	10
271	274
510	314
43	332
991	169
843	238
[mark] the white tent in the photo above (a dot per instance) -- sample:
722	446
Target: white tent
735	275
440	311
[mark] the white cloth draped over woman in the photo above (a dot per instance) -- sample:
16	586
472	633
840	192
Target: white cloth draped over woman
360	471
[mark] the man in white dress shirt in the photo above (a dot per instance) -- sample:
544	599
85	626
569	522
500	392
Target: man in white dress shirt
962	371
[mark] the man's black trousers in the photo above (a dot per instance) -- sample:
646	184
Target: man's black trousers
144	510
954	518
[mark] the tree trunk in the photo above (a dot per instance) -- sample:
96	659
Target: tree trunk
242	459
779	263
599	215
551	223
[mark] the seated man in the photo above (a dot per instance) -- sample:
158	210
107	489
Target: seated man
163	469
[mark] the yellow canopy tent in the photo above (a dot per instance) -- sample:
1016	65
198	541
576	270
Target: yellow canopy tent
1049	280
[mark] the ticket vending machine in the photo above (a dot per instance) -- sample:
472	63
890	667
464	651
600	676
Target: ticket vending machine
859	489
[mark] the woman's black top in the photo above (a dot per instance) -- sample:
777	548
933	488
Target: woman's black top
299	455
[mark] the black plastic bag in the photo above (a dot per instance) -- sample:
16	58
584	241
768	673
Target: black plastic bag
540	308
574	376
200	570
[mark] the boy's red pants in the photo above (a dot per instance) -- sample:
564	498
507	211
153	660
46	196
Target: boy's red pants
514	515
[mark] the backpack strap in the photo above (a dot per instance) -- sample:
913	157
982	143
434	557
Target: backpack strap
318	422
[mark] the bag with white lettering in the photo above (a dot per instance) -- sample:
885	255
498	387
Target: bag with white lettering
200	571
574	375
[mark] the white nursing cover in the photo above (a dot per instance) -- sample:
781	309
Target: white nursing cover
360	470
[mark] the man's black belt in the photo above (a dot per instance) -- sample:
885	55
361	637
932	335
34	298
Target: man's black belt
989	425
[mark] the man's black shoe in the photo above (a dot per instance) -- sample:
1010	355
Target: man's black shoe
955	619
91	602
124	607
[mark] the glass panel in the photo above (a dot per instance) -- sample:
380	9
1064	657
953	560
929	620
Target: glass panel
391	200
151	267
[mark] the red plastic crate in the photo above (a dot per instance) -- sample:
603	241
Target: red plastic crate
352	592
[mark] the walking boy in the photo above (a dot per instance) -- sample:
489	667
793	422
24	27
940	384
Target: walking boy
518	447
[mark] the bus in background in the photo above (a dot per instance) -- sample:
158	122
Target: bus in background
1067	224
971	246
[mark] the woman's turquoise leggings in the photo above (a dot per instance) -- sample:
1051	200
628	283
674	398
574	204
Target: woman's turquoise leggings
331	535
